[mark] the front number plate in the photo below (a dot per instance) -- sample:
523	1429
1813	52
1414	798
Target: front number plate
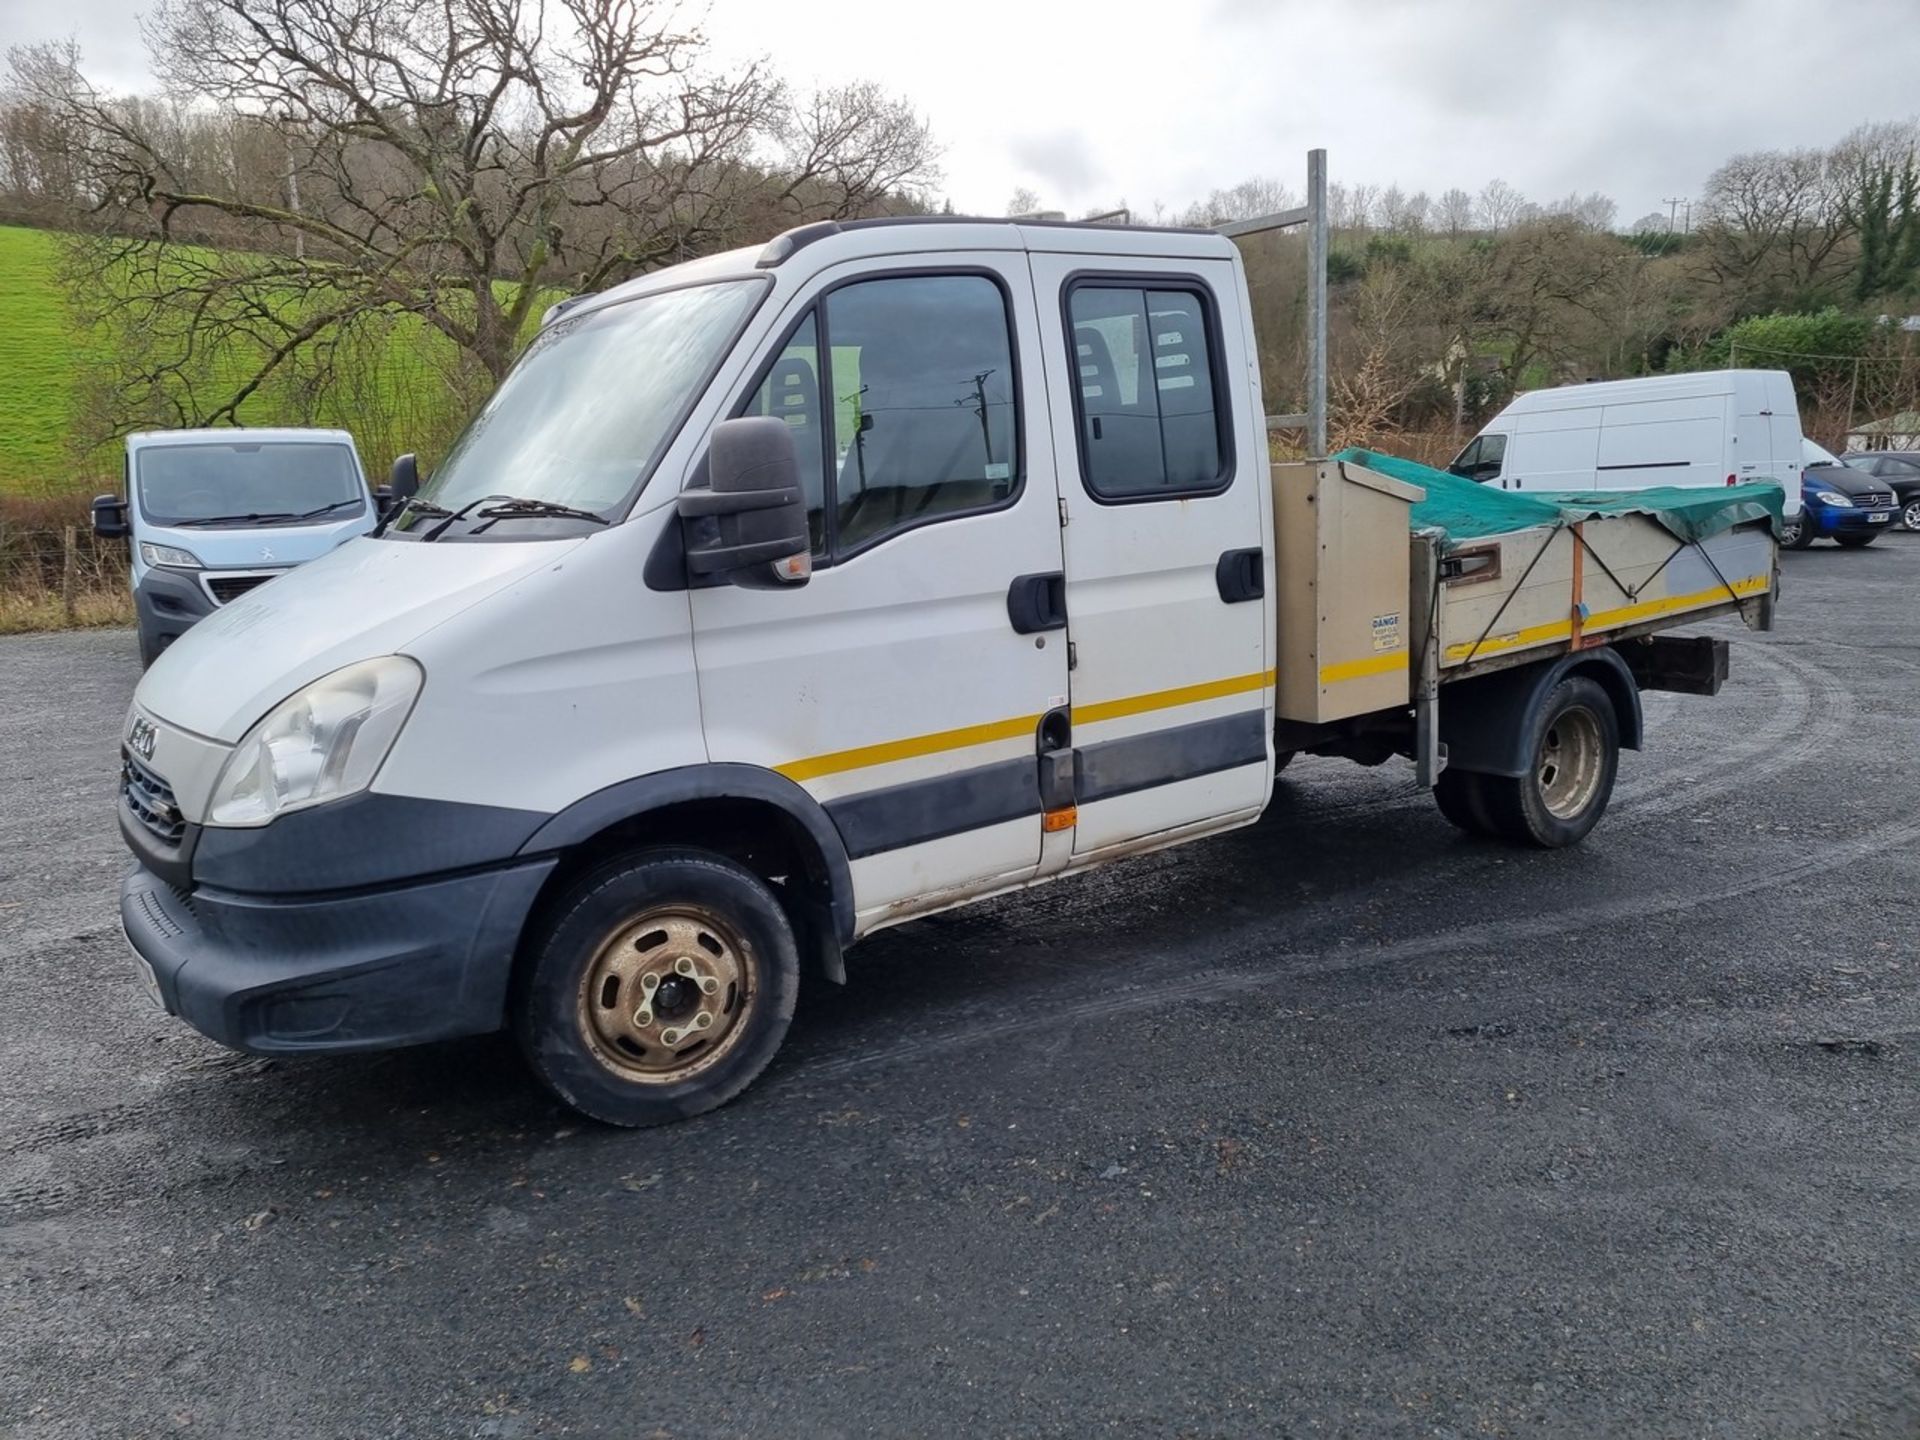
148	980
1878	519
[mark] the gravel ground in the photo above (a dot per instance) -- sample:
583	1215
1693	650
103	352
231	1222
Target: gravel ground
1341	1125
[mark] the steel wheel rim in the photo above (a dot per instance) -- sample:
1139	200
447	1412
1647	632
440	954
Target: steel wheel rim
667	994
1572	756
1910	517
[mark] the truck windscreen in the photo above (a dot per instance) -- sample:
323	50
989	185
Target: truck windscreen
584	416
229	482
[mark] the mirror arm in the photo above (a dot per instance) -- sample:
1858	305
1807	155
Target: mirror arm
692	504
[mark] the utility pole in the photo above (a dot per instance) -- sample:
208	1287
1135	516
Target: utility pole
1673	204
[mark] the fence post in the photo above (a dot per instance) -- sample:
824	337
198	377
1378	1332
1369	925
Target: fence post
69	565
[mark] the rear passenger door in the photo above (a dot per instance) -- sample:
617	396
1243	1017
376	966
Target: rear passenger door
1163	495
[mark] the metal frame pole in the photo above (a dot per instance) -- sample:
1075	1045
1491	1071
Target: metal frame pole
1316	304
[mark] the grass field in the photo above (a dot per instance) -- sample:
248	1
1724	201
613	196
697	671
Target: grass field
39	355
400	398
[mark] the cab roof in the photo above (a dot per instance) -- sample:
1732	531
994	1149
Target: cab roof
829	242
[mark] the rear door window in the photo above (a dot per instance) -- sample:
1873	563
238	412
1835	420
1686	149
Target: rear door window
1150	427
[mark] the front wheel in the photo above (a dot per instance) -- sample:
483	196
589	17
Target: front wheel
1856	542
1575	754
659	989
1910	514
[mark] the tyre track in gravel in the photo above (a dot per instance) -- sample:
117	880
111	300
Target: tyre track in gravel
1254	968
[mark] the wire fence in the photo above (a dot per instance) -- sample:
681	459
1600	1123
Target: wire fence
55	572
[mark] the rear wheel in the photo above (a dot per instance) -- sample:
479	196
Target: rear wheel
1856	542
1796	534
659	989
1575	754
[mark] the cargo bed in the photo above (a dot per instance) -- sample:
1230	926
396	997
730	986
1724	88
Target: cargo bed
1490	580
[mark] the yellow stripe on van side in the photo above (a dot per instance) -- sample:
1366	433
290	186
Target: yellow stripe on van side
910	748
1167	699
1364	669
938	741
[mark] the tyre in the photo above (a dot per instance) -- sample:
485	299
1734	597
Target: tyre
659	987
1796	534
1856	542
1910	514
1282	759
1462	800
1575	754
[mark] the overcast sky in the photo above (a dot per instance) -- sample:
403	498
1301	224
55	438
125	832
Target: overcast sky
1091	103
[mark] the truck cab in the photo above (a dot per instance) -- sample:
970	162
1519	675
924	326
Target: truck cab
210	514
785	595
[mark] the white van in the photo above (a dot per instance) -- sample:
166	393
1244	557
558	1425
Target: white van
210	514
1716	427
784	595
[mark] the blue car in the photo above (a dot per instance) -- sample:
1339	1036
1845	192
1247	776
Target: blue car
1840	503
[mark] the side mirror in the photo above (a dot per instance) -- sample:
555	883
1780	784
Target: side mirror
383	501
403	481
748	524
110	517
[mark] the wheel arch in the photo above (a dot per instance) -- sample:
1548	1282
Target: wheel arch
1484	723
755	816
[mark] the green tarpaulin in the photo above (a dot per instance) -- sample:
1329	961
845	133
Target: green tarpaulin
1465	509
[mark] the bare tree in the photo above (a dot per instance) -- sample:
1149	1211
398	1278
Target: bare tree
1403	214
449	160
1025	200
1453	212
1593	210
1499	205
1259	195
1774	222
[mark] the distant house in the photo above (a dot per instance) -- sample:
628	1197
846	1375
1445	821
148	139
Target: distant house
1895	432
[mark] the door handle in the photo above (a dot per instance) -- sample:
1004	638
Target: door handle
1037	602
1241	575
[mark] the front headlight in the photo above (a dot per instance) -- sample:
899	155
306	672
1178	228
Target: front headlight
1829	497
170	557
322	743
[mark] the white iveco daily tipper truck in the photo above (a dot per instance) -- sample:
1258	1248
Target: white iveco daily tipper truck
784	595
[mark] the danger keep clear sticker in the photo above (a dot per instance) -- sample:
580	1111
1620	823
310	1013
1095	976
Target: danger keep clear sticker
1386	631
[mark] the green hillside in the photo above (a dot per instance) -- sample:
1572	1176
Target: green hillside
39	355
401	398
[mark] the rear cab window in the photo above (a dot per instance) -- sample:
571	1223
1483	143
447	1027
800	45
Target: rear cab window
1146	367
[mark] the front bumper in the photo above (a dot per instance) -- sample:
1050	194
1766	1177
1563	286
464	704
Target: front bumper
368	970
1827	521
169	603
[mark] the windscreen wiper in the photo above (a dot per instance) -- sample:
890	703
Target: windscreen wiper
201	520
518	509
328	509
509	507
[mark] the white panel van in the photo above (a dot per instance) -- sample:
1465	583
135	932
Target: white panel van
1716	427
